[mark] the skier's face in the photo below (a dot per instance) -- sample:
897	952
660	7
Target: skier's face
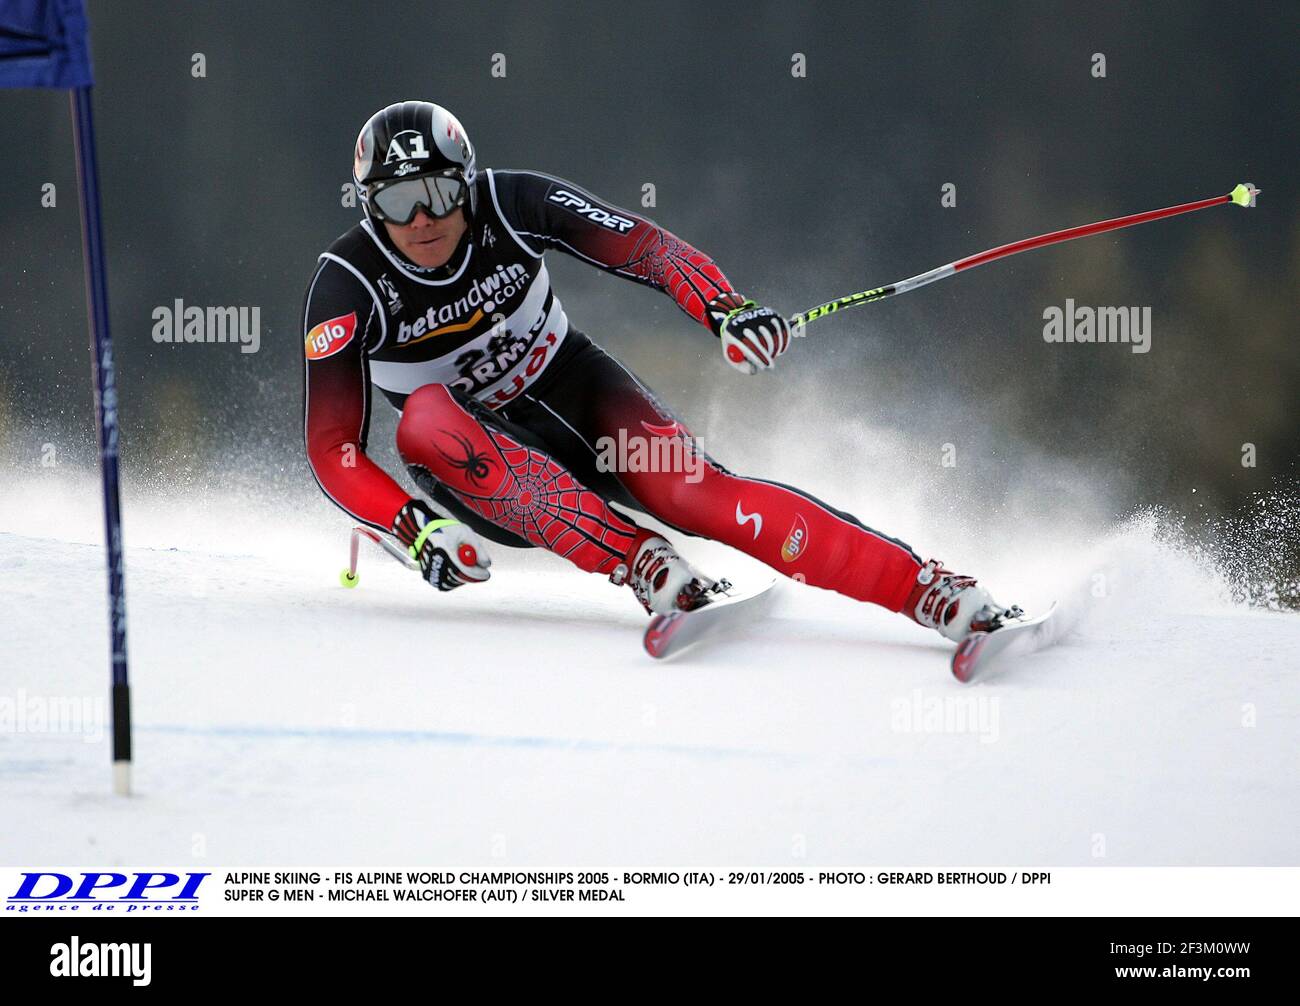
427	241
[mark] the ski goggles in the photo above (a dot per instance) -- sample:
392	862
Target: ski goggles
398	200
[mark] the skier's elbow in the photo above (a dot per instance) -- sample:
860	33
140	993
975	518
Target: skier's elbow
328	457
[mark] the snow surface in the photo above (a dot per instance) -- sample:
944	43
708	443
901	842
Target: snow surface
284	721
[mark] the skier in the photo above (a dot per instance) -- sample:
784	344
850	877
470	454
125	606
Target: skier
440	298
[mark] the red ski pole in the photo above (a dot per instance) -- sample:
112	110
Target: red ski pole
1243	195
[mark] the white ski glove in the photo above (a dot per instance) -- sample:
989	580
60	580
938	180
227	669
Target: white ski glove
752	336
450	553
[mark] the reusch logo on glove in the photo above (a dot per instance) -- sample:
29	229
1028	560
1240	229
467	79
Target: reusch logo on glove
742	318
329	337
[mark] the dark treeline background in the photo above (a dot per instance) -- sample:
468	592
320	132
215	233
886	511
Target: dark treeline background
221	190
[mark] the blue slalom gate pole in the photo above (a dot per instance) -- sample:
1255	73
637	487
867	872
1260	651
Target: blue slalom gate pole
101	351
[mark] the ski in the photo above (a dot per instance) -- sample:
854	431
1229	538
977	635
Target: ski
978	650
668	635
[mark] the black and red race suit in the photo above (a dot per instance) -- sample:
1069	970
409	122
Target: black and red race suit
509	413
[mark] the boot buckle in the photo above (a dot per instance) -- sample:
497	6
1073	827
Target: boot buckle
926	573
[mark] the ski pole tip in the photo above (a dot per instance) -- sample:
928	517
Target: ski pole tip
121	778
1244	194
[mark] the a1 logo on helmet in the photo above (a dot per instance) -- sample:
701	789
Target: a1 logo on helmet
407	147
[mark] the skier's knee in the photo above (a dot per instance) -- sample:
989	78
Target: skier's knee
675	497
427	399
426	409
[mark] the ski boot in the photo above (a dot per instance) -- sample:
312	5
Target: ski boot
953	604
661	579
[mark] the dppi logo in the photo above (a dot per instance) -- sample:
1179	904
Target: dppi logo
138	892
795	541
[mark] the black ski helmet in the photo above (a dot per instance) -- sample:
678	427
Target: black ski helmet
409	139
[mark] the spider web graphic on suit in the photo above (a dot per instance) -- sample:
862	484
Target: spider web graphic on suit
661	259
541	501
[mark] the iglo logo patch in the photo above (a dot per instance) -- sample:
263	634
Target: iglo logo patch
329	337
796	541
